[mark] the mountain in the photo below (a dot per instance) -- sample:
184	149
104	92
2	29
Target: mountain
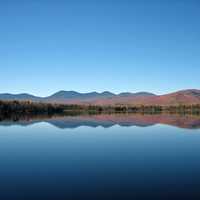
19	97
186	97
191	96
142	94
75	97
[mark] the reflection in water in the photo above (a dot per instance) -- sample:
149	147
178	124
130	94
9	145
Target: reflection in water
109	120
154	162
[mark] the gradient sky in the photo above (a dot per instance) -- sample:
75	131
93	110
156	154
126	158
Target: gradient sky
87	45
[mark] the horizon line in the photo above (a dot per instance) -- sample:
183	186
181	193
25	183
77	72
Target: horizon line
98	92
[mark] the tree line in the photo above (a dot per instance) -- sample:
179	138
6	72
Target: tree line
32	108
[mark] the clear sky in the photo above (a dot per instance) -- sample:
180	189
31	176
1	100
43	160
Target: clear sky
98	45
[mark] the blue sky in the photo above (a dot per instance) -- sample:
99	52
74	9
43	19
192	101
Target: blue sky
87	45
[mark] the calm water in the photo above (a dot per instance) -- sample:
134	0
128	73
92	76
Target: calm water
101	157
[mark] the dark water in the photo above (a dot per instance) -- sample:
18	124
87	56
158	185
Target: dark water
101	157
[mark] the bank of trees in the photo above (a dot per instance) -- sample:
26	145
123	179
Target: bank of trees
191	109
28	107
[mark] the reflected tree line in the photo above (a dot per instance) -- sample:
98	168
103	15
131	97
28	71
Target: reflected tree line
28	108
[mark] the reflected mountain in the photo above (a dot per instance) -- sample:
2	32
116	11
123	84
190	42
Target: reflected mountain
108	120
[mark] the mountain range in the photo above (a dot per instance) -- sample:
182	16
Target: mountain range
187	97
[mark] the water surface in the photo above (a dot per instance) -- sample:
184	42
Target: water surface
101	157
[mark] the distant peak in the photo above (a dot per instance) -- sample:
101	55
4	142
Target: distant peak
107	93
126	94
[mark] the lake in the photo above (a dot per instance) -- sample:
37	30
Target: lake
121	156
